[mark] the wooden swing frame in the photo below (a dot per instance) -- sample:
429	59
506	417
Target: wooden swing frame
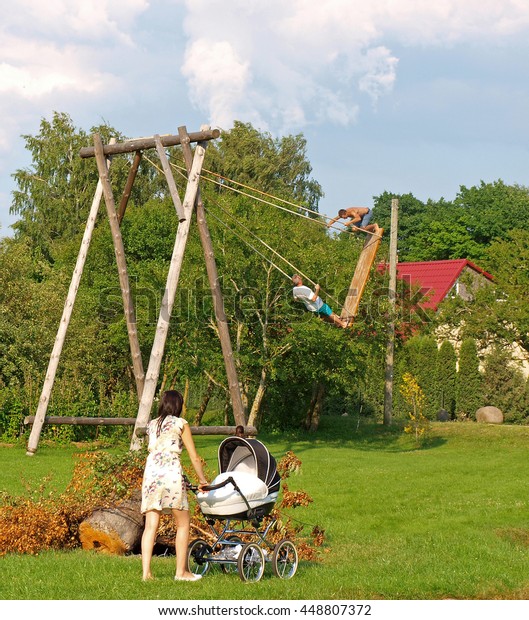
146	383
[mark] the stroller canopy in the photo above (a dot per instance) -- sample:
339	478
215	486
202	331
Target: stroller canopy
251	456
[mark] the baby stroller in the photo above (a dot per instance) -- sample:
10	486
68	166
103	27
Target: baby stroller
243	493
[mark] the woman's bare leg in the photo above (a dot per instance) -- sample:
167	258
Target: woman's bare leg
152	519
182	521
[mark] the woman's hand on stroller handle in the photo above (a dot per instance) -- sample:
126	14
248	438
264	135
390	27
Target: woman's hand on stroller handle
201	486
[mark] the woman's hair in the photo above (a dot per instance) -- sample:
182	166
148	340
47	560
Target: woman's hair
170	404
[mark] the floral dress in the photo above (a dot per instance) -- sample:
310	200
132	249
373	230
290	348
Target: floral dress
163	484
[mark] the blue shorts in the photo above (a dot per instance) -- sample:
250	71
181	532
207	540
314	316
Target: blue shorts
324	311
366	219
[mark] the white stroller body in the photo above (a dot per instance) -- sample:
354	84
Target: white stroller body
248	482
246	489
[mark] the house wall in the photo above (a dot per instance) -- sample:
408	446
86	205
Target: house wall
469	281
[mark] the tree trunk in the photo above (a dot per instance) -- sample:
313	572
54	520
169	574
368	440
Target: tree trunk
185	397
227	407
243	385
312	420
204	404
255	414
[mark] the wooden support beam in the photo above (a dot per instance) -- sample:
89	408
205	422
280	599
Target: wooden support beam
85	421
169	177
53	363
119	251
218	301
140	144
128	185
162	328
361	275
81	421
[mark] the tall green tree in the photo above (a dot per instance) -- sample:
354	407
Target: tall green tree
491	210
53	196
276	165
462	228
508	261
447	376
469	395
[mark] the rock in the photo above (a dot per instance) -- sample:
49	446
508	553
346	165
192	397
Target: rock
489	415
443	415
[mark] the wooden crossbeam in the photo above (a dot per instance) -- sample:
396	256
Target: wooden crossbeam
81	421
85	421
361	275
140	144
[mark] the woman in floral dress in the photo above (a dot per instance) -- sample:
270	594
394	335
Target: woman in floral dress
163	489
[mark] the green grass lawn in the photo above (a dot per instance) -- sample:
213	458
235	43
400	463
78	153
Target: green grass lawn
450	520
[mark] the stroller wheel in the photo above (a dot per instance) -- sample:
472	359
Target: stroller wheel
232	566
198	554
285	559
251	562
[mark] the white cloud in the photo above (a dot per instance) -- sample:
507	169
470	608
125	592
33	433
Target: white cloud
307	61
217	75
35	69
48	46
75	19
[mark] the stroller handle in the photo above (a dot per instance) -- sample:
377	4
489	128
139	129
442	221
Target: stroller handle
209	487
213	487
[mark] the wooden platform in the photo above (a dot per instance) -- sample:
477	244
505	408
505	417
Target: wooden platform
361	275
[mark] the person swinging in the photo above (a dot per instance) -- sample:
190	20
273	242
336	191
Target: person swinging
314	303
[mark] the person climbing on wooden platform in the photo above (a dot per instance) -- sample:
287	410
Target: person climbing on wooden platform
360	218
314	303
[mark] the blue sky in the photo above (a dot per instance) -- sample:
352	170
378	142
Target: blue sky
401	96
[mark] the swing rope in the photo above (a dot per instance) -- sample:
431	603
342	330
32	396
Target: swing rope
303	275
248	243
293	204
267	202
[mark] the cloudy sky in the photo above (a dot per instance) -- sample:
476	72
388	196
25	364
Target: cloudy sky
418	96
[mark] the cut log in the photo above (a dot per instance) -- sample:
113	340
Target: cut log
113	531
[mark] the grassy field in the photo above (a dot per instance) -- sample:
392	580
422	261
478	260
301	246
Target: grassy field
448	521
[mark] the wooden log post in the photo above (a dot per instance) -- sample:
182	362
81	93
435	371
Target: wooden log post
42	408
119	251
128	185
162	328
170	179
218	301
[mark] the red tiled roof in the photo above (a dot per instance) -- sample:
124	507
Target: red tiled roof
435	278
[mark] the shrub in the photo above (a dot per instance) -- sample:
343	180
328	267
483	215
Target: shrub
418	424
